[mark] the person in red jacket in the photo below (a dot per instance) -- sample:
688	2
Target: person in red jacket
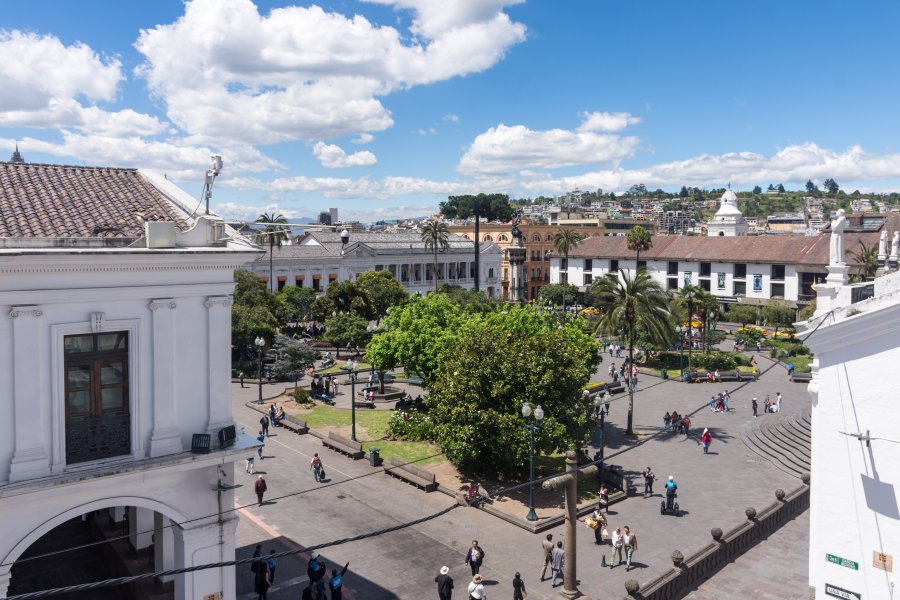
706	440
260	487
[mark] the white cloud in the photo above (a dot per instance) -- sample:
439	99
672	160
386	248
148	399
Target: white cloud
429	131
608	122
226	72
334	157
363	138
45	83
332	187
793	164
451	117
505	149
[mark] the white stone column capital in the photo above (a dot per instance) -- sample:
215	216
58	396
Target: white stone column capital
223	301
25	311
162	303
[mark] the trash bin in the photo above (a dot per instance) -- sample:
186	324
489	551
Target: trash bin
375	457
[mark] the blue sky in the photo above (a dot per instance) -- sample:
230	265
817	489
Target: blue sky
382	108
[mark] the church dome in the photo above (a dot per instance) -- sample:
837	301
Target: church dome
728	205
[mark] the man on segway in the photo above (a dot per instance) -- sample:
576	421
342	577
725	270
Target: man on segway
671	489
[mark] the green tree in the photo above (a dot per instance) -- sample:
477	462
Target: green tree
490	207
758	190
344	329
811	188
866	259
831	187
742	313
383	291
780	188
556	293
638	240
253	312
475	403
565	241
709	312
807	312
689	298
777	313
294	358
436	236
273	234
343	297
294	304
625	299
468	300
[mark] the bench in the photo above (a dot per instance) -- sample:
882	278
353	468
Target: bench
801	377
615	387
345	445
731	377
294	424
364	403
412	474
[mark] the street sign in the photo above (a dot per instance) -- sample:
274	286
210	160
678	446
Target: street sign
882	561
844	562
835	591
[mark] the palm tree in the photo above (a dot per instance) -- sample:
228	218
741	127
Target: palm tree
690	297
866	260
563	242
436	235
630	303
638	240
709	311
274	233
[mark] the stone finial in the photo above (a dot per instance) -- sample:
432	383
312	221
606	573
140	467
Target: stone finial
632	587
678	558
779	494
716	533
751	513
805	478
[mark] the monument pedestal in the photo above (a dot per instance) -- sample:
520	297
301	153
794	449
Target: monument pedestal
569	595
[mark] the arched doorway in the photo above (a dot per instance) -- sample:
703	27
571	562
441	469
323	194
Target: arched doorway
94	542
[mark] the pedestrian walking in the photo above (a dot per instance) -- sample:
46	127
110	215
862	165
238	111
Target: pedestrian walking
264	425
519	591
260	488
617	546
251	466
336	583
263	583
474	557
755	406
476	588
649	478
778	401
242	378
261	438
547	546
272	563
629	541
315	466
706	440
445	584
597	522
667	421
603	500
557	558
257	558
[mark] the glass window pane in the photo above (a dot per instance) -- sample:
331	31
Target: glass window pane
79	343
112	341
79	402
112	398
78	377
112	373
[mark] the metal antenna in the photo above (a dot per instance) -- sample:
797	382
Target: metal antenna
210	179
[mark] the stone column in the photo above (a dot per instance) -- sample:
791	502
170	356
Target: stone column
166	439
569	483
163	545
30	458
204	544
140	527
4	580
218	318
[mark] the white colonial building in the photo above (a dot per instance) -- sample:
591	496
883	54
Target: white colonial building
115	344
854	513
728	220
319	259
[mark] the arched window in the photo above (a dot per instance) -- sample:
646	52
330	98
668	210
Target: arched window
549	238
536	237
502	238
487	238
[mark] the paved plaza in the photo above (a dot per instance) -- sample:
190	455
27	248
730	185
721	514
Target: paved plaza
714	491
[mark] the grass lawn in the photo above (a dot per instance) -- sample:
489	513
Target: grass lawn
422	453
336	369
556	463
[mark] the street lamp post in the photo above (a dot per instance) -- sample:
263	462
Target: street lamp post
351	366
260	342
602	410
532	427
680	331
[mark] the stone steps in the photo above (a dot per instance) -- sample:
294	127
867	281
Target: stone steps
783	440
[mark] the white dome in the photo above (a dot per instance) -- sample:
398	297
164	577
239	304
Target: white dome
729	197
728	205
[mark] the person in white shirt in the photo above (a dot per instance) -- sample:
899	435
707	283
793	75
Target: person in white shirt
617	545
629	541
476	589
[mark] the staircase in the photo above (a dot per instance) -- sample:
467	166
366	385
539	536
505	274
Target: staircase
783	440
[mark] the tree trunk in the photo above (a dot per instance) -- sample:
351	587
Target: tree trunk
565	285
271	268
477	253
628	426
690	334
434	268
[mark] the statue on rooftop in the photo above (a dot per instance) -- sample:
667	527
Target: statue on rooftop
836	251
895	245
882	243
516	219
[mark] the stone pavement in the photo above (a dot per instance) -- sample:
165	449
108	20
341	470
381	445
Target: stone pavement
714	491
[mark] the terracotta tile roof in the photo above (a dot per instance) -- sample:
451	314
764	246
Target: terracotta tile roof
57	201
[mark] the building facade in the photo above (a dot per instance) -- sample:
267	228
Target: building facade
319	259
114	352
728	220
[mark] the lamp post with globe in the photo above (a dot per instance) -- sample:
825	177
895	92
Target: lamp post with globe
351	368
532	427
260	343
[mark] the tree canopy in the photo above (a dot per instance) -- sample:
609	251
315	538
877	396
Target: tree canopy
638	240
346	329
295	304
343	297
253	312
558	293
383	291
294	358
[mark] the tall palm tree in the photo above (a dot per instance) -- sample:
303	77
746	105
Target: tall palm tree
565	241
274	234
690	297
638	240
436	235
630	303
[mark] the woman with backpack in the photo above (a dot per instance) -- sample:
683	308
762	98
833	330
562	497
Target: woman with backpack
706	440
